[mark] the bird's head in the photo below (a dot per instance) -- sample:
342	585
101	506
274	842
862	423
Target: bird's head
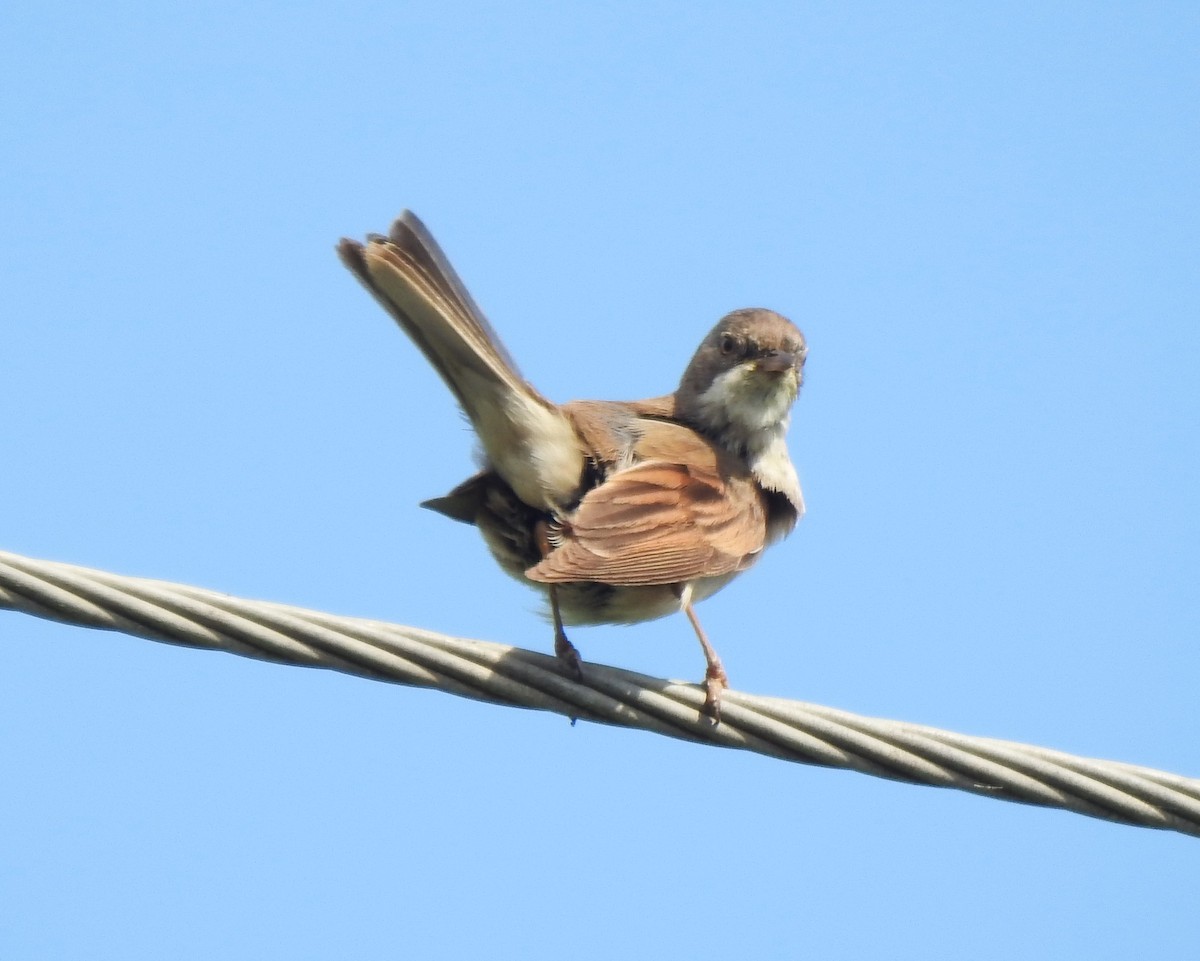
742	381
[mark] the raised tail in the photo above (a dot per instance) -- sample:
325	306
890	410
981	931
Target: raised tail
528	441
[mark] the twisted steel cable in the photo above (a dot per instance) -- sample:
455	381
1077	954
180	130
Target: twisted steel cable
791	730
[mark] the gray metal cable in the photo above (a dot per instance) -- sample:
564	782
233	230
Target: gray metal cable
794	731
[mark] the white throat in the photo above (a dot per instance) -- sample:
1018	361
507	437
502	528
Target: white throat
749	414
747	410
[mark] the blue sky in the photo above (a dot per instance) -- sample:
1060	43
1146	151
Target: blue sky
985	220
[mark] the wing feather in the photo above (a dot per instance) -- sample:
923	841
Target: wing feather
659	523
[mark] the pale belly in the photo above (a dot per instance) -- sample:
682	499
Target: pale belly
591	603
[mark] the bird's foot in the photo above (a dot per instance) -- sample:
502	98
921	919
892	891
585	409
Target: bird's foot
565	651
716	681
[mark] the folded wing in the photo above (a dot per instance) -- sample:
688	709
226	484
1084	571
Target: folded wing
658	523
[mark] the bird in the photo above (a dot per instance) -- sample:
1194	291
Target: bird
619	511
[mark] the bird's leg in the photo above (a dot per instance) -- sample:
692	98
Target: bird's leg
563	648
715	678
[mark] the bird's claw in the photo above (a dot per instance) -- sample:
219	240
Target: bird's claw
565	651
715	682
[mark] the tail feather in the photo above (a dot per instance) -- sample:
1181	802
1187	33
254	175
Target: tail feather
528	440
412	279
410	235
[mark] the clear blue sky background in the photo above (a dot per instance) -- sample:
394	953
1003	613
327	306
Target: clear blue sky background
986	220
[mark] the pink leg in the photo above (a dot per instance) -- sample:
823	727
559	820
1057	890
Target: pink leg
715	678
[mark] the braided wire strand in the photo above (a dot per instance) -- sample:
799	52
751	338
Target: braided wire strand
482	670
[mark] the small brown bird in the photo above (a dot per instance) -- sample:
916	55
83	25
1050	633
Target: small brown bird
620	511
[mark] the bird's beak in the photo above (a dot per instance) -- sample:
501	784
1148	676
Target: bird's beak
776	362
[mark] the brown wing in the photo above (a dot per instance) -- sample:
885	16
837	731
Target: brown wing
659	523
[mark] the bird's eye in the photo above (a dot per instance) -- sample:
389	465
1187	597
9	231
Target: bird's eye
728	343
